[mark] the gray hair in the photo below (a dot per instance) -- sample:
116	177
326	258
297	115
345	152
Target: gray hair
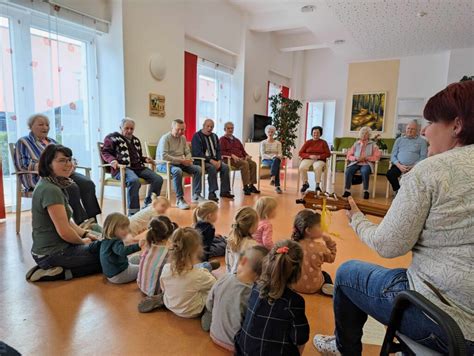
228	123
268	127
125	120
33	118
206	120
177	122
364	130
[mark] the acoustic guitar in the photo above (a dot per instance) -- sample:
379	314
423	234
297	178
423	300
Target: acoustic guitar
315	200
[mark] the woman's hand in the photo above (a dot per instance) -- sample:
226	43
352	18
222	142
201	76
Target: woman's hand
354	208
86	241
92	236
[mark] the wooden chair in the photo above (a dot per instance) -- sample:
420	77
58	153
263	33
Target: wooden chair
232	169
323	176
21	192
106	179
374	174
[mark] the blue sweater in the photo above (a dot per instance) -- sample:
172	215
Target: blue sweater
113	256
409	151
207	147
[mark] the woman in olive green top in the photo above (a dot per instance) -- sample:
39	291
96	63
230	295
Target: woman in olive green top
61	249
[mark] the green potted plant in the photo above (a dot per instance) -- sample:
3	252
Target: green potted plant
379	142
286	121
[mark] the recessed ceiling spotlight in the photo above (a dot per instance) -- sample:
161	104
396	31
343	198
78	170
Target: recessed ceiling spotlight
421	14
308	8
339	42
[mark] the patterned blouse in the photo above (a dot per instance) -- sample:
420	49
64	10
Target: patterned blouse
268	150
432	217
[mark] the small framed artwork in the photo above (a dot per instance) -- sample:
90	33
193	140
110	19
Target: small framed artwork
157	105
368	109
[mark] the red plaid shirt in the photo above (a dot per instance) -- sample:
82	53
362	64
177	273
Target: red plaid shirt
232	146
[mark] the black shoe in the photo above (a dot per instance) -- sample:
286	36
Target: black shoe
346	194
227	195
253	189
213	197
247	191
215	264
304	187
272	181
318	189
366	195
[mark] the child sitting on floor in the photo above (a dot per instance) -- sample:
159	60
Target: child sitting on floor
113	252
227	302
184	283
266	210
318	248
205	216
240	237
139	221
152	261
275	322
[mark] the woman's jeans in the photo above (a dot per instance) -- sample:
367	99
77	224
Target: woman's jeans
76	260
274	165
363	289
364	171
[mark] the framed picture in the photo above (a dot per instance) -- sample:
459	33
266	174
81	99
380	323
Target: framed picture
157	105
368	109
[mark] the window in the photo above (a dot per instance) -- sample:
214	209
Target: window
321	113
273	89
214	95
48	67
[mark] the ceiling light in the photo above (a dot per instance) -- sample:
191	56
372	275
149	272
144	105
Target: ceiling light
308	8
421	14
339	42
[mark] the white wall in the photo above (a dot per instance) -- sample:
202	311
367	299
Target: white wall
461	62
423	76
326	79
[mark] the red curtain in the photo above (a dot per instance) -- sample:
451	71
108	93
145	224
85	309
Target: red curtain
2	200
190	93
285	91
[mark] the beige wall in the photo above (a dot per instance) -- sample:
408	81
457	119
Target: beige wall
378	76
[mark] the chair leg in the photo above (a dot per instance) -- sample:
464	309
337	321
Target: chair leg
18	205
101	190
387	190
298	180
124	196
233	179
286	171
375	185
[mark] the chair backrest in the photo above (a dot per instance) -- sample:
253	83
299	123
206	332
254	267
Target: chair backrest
100	145
150	149
11	146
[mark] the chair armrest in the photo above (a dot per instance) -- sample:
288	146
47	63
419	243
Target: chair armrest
199	158
167	163
227	159
19	173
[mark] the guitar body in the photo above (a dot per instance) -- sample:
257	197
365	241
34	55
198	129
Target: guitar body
314	200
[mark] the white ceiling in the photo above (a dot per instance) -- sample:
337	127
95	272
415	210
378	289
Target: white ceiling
370	28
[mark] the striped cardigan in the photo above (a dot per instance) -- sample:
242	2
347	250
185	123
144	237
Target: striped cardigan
151	265
28	150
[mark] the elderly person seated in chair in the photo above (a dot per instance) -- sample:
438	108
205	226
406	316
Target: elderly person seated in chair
205	144
232	147
28	149
361	156
314	153
123	148
432	217
271	153
173	147
407	151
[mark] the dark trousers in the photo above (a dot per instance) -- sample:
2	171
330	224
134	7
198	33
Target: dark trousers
82	198
274	165
364	171
392	176
77	260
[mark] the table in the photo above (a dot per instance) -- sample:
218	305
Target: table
331	179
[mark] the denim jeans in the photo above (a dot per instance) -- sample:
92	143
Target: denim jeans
206	265
177	175
77	260
132	179
212	178
274	165
363	289
364	171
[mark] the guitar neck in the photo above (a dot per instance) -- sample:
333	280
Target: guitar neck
371	208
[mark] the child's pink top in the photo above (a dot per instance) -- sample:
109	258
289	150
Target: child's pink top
264	233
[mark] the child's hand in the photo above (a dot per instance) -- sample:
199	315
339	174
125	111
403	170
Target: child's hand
141	243
219	236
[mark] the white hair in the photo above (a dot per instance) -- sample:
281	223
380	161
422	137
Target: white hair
125	120
33	118
228	123
268	127
365	130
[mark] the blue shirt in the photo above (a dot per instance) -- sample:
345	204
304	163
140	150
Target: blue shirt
409	151
113	256
273	329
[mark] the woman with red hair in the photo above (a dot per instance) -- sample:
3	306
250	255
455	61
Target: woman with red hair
433	218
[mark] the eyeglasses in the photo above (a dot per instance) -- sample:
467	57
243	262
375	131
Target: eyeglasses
65	161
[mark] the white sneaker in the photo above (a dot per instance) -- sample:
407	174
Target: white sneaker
181	204
328	289
198	199
326	344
